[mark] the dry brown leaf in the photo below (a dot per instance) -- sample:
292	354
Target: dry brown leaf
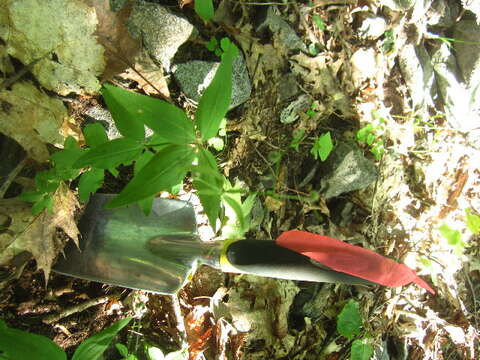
199	327
32	118
151	74
112	33
37	233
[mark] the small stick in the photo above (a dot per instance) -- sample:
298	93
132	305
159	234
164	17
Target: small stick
13	174
78	308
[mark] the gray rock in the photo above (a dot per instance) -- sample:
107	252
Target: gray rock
104	117
461	102
347	170
195	76
162	31
372	28
282	30
417	70
443	13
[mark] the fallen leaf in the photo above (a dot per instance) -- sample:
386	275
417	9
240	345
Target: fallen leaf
112	33
32	118
37	233
199	327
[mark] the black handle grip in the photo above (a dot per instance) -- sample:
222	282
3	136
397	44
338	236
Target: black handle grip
266	258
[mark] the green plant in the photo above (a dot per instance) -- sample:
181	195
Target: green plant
472	221
21	345
322	146
161	161
371	135
214	46
349	325
319	22
388	44
453	237
204	9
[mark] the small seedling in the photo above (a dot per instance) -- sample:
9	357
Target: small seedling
388	44
372	136
123	351
319	22
454	238
349	325
313	110
322	147
214	46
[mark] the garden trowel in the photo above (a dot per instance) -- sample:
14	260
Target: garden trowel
157	253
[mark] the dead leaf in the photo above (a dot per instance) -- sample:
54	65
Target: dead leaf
199	327
37	233
113	34
32	118
151	79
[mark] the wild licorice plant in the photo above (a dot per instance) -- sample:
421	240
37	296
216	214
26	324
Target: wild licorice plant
161	161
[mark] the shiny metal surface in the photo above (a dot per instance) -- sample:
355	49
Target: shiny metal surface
124	247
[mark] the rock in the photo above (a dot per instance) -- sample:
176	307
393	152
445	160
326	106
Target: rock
473	6
195	76
287	87
281	30
104	117
417	70
346	170
364	65
162	31
468	52
461	103
291	113
372	28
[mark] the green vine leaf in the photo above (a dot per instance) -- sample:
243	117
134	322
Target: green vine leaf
361	351
349	321
95	135
204	9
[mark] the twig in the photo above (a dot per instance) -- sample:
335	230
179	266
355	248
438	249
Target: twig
13	174
80	307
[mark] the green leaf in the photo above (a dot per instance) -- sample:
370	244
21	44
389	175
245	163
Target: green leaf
66	158
453	236
363	132
93	347
47	181
473	221
154	353
122	349
145	204
31	196
95	134
45	203
166	169
216	99
21	345
212	44
322	147
349	321
361	351
166	120
297	138
237	208
209	184
204	9
111	154
90	182
319	22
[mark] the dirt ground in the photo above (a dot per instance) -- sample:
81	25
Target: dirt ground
427	177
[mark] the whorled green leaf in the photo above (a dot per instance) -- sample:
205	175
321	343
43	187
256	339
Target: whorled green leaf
349	321
166	120
166	169
111	154
90	182
125	112
95	134
31	196
209	184
21	345
204	9
322	147
47	181
361	351
45	203
147	203
93	347
217	96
